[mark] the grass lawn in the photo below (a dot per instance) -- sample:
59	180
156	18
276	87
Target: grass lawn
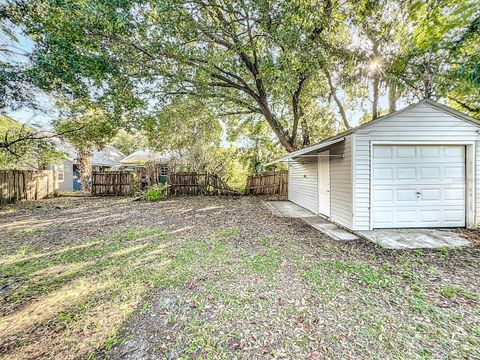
221	278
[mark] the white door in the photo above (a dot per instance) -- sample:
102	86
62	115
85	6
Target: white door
418	186
324	183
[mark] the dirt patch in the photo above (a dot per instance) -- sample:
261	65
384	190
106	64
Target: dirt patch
221	278
472	235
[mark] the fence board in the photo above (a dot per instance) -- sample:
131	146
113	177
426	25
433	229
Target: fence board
275	183
112	183
118	183
18	185
198	184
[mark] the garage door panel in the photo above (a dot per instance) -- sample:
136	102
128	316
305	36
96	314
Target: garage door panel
429	194
383	217
405	173
418	186
382	152
454	152
429	152
385	174
454	172
406	152
430	173
383	195
406	195
406	216
454	215
417	154
454	194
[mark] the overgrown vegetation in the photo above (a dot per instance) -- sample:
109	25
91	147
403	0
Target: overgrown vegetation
29	153
155	193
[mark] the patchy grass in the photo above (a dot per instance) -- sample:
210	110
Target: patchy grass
267	261
218	279
77	297
453	292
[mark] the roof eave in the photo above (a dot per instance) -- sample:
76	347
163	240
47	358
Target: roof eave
323	145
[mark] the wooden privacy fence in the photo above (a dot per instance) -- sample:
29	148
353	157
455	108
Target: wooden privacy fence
275	183
17	185
198	184
113	183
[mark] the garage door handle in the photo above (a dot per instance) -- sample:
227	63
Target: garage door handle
419	193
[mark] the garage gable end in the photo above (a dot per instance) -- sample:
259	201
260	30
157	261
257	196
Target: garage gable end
426	112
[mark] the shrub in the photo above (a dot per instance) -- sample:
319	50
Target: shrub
155	193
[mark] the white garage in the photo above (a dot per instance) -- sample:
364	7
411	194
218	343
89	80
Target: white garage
415	168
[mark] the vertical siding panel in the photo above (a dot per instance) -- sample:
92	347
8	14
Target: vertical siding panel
341	197
302	183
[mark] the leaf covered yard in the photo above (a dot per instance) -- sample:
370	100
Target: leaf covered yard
220	278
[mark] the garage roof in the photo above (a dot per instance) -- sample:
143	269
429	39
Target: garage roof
341	137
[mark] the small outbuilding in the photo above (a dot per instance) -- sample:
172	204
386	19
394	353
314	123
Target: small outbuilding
415	168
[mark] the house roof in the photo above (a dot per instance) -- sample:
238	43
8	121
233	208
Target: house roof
341	137
108	156
140	157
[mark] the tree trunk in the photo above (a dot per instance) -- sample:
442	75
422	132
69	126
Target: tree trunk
287	142
392	98
85	168
376	79
305	134
427	86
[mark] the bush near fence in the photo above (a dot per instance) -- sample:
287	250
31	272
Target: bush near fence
275	183
18	185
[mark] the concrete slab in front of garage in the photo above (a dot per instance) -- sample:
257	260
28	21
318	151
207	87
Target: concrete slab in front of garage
415	238
289	209
386	238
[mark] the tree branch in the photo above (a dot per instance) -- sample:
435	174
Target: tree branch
333	91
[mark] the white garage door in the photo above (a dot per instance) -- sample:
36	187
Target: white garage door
418	186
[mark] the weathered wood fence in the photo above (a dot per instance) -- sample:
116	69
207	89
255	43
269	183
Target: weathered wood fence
118	183
275	183
17	185
190	183
113	183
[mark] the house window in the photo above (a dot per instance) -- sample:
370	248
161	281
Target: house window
163	169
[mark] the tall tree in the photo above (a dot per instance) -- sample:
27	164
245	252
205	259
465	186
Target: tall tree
252	57
91	130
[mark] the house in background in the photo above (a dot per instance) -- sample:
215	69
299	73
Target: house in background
417	167
68	174
140	159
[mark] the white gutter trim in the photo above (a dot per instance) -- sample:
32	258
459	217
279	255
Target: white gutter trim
281	159
309	149
315	147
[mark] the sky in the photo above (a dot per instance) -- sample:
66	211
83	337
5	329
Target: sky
21	47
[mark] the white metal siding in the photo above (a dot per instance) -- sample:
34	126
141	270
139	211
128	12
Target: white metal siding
67	183
302	183
421	123
341	183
